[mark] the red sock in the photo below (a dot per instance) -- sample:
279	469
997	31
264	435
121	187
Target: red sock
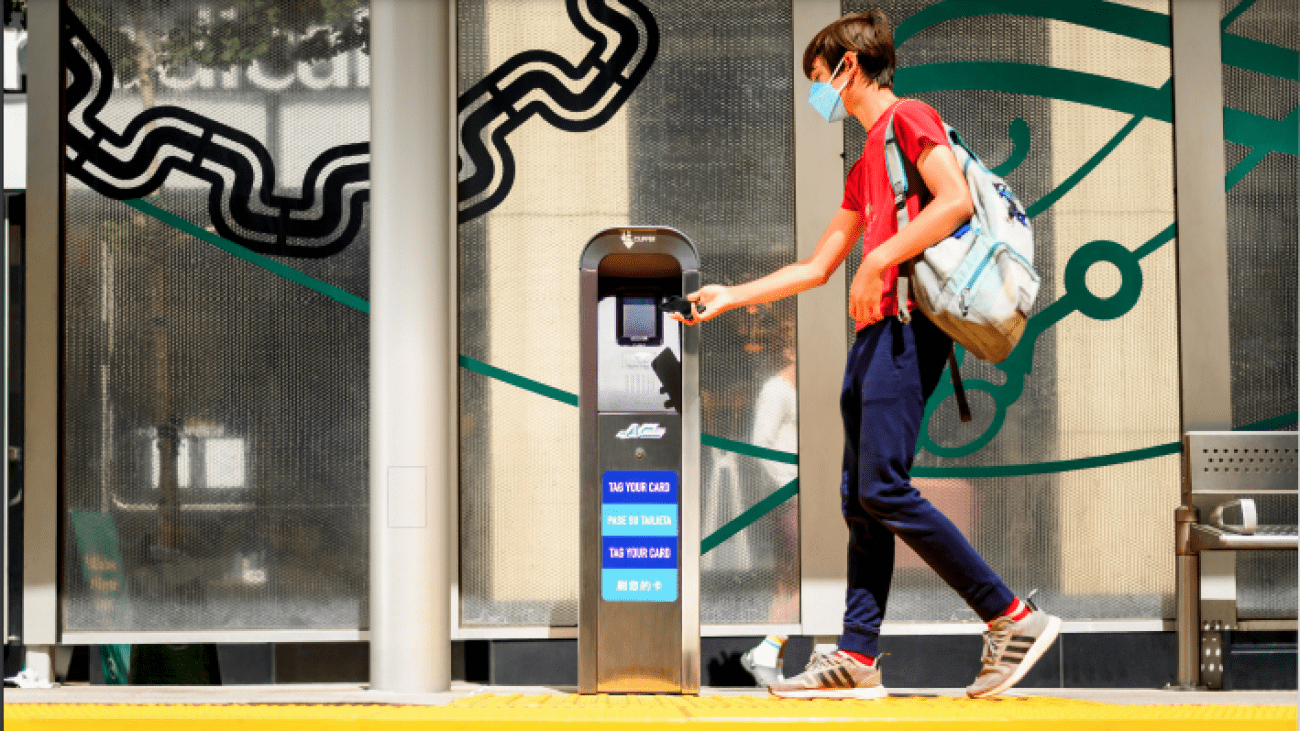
1016	610
864	659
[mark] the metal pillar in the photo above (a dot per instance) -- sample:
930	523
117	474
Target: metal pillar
1187	576
1202	208
1202	251
411	344
822	345
42	367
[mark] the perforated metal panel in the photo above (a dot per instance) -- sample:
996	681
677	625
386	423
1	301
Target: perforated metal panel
1262	250
1093	541
215	412
702	144
1262	226
712	152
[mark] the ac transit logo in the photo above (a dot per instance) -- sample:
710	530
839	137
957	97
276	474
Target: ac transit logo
628	239
642	431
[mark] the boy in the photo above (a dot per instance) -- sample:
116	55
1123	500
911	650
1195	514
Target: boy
892	369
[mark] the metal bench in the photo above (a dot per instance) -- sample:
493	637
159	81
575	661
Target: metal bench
1217	518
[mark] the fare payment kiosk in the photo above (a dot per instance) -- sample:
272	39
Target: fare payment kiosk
639	515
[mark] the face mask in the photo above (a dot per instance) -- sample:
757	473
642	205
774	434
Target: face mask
825	98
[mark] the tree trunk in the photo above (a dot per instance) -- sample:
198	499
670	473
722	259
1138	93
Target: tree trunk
167	424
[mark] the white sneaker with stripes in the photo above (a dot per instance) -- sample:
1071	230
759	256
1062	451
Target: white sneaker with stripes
832	675
1010	649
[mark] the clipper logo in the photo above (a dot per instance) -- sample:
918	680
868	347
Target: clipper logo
642	431
628	239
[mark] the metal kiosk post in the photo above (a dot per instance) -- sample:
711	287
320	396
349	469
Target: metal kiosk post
639	559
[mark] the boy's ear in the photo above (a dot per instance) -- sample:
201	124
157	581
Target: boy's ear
851	62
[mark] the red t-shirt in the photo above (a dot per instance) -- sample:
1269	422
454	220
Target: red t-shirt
867	190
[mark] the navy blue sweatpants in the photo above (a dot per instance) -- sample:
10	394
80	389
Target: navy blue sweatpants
892	369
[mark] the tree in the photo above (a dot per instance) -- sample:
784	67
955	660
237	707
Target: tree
16	10
171	35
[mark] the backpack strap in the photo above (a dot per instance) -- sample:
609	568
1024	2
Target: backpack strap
897	168
898	182
958	390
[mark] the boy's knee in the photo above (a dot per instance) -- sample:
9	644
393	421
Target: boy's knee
882	499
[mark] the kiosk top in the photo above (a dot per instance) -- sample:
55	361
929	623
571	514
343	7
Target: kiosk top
640	240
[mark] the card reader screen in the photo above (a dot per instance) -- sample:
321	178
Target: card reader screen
638	321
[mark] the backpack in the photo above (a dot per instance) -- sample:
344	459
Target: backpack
978	284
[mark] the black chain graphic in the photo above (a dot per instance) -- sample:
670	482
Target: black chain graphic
241	174
534	82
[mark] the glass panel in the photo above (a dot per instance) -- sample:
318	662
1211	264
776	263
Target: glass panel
1262	226
1262	246
702	144
215	454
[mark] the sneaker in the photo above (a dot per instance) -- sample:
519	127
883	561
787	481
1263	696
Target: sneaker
1010	649
27	679
832	675
763	662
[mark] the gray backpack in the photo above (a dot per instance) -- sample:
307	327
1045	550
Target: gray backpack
978	284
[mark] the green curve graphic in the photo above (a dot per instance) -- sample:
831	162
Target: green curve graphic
1020	141
1235	13
1055	194
750	516
1121	20
266	263
518	381
1047	468
1277	422
1243	128
1030	79
564	397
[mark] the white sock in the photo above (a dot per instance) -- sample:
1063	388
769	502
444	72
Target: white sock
767	651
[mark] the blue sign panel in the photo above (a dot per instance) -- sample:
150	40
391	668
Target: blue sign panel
638	585
639	552
639	486
638	520
638	526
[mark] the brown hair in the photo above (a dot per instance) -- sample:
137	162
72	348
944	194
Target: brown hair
868	34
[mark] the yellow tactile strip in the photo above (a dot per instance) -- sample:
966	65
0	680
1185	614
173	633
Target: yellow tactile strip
580	713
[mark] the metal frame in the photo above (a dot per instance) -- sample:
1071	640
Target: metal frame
4	414
1202	215
452	289
822	344
1201	249
43	370
1081	626
215	636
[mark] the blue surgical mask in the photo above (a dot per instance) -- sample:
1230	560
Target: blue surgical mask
825	98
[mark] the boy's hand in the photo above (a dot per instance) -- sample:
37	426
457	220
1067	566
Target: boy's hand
715	297
865	293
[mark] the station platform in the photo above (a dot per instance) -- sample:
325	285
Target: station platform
350	707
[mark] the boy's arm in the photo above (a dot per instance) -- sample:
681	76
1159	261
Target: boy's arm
836	242
951	207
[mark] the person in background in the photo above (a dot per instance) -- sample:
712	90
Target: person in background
776	426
